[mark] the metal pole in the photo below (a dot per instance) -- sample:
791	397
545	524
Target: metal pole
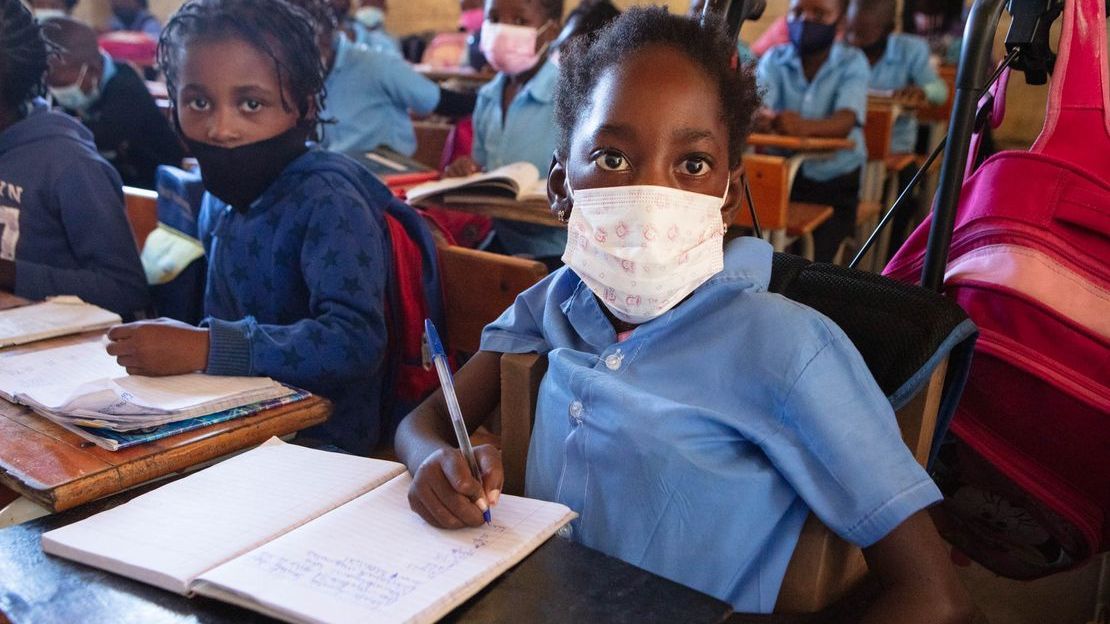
975	58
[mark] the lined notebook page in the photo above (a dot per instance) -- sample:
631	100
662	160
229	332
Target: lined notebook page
374	559
64	315
54	373
170	535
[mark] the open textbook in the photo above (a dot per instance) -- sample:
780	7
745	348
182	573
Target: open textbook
82	385
57	316
516	182
305	536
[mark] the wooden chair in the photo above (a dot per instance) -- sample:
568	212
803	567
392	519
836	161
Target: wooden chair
142	212
431	137
770	179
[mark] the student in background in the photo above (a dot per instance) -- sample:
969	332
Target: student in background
369	27
46	9
816	86
471	16
697	7
513	117
63	229
134	15
112	101
296	240
899	63
940	22
370	94
357	32
674	462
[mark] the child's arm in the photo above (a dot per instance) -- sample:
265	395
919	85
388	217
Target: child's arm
443	489
926	83
918	583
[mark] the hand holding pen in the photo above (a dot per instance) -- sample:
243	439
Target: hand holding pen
453	488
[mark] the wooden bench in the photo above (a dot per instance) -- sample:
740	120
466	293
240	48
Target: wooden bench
770	179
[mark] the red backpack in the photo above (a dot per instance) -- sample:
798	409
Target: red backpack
1026	476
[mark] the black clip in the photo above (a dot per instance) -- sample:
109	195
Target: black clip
1032	20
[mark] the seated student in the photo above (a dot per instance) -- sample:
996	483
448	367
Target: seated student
296	242
471	16
692	421
513	117
587	18
369	27
63	229
46	9
370	94
112	101
816	86
697	7
899	63
355	31
133	15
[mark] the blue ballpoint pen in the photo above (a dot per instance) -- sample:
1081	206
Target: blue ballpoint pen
439	357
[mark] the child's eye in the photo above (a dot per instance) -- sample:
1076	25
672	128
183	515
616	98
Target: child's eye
198	104
611	161
695	166
251	106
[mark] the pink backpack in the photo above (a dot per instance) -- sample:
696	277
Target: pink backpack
1026	475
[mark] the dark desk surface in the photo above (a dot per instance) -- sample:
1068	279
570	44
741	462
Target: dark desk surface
560	582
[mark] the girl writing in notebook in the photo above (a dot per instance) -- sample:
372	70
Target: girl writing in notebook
690	417
295	236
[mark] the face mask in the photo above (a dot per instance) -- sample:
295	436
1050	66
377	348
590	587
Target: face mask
810	37
471	20
511	49
127	16
370	17
643	249
72	97
927	22
239	175
44	14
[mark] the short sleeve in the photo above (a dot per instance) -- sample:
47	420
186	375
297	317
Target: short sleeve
922	72
839	446
851	92
519	329
407	88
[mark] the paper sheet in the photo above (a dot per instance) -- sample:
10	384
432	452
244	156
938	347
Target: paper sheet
53	373
57	317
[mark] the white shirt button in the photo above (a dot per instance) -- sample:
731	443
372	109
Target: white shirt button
613	360
565	531
576	412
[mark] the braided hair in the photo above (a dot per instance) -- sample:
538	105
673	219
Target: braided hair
23	56
322	15
276	28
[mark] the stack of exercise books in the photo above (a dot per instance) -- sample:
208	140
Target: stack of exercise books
396	170
509	185
79	386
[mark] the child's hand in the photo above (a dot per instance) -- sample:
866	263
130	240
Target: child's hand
789	123
446	495
911	95
764	118
161	347
463	166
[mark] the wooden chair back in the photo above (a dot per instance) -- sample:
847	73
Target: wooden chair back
877	131
477	287
142	212
769	181
431	137
823	568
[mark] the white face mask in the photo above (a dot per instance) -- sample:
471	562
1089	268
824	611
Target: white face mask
44	14
511	49
643	249
72	97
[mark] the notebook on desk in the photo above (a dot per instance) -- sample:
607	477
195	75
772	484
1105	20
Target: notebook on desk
305	536
517	182
393	168
57	316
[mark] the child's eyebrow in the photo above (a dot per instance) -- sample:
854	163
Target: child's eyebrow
690	135
620	131
243	90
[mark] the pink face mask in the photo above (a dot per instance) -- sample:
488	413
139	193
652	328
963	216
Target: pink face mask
511	49
471	20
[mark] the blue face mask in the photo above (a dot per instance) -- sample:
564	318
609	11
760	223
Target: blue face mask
809	37
72	97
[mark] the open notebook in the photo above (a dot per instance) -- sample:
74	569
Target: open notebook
305	536
58	316
516	182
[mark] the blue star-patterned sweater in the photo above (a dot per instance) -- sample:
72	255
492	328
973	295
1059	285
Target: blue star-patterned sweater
297	287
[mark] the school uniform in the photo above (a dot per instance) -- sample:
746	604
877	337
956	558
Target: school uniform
905	62
744	51
296	291
376	39
369	98
62	215
696	447
840	84
525	133
142	21
130	131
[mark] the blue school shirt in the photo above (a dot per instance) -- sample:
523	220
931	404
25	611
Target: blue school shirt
377	39
697	447
526	134
906	62
840	84
369	96
296	291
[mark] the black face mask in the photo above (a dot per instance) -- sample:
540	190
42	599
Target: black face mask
239	175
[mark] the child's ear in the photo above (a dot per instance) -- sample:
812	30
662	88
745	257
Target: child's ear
557	194
734	198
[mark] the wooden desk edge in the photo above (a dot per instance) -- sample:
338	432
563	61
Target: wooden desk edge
253	430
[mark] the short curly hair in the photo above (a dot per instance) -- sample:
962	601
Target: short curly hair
585	59
23	55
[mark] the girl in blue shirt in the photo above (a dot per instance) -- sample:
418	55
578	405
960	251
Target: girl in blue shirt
296	241
691	418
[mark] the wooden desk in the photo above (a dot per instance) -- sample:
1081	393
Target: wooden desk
560	582
799	144
59	470
537	212
443	74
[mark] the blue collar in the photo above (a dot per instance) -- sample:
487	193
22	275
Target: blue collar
540	88
793	59
109	70
342	47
